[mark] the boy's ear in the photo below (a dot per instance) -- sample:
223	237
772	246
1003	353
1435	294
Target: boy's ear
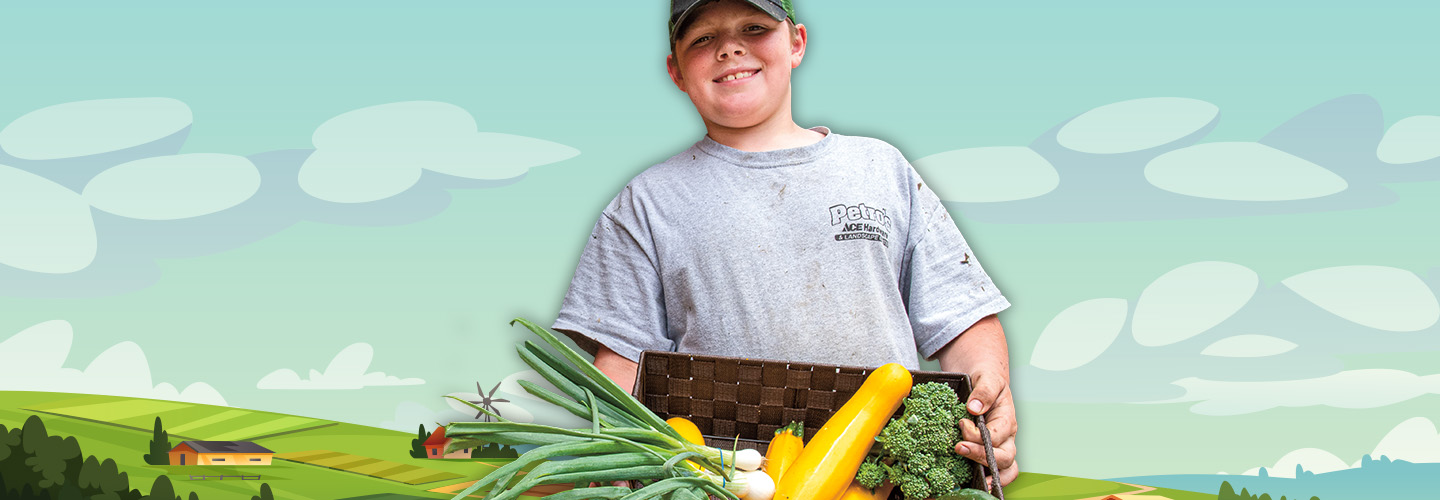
797	46
673	67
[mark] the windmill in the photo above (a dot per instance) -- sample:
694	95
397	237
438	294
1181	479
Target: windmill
487	401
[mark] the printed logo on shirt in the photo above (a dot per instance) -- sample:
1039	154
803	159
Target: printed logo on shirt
861	223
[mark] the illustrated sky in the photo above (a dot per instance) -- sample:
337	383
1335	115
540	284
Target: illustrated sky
1215	222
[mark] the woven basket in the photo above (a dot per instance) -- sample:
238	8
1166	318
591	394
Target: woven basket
750	398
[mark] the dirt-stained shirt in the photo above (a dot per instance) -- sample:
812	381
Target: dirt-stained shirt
831	253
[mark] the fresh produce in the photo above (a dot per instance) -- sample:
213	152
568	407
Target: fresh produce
916	451
828	463
626	441
784	448
859	492
687	429
967	494
761	486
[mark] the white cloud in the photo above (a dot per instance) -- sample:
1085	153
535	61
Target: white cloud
1414	440
988	174
33	360
1079	334
84	128
1241	171
44	227
380	151
507	410
1372	388
1312	459
1384	298
1191	299
174	187
1248	346
409	415
521	403
348	370
1411	140
1136	125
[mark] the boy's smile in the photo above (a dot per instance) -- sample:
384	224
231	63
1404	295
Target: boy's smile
734	62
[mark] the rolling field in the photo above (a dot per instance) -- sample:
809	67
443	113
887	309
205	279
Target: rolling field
1034	486
325	460
182	420
373	467
119	428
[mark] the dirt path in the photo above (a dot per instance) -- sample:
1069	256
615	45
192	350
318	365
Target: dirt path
1141	491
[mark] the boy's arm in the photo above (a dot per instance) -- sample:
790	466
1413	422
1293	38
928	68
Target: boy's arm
617	367
982	353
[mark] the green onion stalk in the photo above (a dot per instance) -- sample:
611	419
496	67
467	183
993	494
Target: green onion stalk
626	441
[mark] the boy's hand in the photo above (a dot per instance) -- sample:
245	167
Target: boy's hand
981	353
999	419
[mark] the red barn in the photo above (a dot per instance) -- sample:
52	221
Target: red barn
436	444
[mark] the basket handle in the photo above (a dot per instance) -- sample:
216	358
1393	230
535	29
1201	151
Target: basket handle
990	469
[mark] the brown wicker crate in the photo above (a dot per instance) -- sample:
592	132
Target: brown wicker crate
750	398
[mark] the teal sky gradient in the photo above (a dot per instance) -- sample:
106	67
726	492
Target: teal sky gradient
433	297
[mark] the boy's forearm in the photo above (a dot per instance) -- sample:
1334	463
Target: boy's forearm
617	367
981	347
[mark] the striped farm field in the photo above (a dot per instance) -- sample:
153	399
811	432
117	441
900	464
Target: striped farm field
373	467
191	421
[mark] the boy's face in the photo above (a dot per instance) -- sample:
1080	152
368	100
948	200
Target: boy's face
734	62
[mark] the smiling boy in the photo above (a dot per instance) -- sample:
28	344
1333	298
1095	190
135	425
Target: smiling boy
766	239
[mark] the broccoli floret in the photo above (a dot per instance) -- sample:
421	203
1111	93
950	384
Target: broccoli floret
913	486
872	472
918	447
958	466
941	480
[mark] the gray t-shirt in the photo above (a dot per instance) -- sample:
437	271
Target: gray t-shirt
832	253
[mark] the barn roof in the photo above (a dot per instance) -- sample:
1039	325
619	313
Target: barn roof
225	447
437	437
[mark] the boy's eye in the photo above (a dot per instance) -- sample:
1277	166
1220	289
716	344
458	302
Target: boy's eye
756	27
700	39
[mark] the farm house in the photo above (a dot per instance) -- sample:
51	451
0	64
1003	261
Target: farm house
219	453
437	442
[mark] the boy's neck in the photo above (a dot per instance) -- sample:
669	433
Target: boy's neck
769	135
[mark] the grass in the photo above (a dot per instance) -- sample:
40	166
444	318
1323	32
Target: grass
128	440
323	460
1034	486
372	467
202	422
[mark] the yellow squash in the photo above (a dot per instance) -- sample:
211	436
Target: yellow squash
857	492
828	463
784	449
687	430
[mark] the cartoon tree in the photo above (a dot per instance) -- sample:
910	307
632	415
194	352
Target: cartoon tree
163	489
417	445
265	493
1227	492
159	446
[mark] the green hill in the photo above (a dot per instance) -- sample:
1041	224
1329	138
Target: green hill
365	461
325	460
1035	486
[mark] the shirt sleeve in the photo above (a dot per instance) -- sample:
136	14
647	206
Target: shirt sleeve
945	289
615	297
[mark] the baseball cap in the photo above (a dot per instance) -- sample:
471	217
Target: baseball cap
680	10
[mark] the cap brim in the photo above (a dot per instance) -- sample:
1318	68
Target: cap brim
774	10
